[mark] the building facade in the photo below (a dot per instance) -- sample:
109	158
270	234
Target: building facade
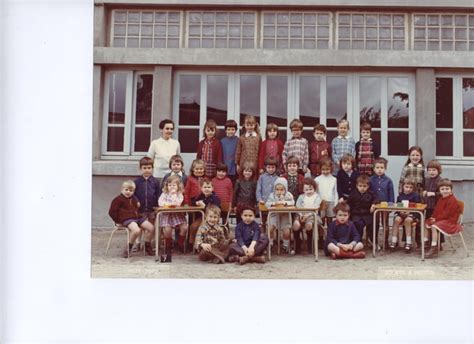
407	69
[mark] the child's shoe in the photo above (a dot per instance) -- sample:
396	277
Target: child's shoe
408	248
358	255
392	246
127	251
432	252
232	259
149	249
259	259
243	260
166	258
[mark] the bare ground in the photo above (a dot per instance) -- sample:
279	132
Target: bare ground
451	265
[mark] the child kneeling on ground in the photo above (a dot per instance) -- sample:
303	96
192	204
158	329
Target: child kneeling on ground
250	243
210	239
124	210
343	240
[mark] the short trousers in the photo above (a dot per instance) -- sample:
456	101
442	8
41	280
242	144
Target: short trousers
329	212
138	221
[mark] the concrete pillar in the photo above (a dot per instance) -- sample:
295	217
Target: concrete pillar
426	112
162	97
100	25
98	92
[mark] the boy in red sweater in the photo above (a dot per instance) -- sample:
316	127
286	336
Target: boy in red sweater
318	150
124	210
223	188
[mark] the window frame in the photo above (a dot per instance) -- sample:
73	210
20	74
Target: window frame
457	129
129	125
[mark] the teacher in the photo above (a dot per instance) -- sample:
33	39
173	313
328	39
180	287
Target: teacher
162	149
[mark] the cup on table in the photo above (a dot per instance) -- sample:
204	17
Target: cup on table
405	204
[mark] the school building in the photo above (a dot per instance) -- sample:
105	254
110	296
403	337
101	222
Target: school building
406	67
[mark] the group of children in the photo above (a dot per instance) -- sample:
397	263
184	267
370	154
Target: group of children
237	174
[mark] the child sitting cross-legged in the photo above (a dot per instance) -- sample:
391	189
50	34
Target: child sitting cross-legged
343	240
211	242
309	199
124	210
251	243
405	218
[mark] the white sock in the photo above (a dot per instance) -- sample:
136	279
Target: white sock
394	239
434	243
286	243
408	239
426	239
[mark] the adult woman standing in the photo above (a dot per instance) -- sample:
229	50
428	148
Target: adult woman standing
162	149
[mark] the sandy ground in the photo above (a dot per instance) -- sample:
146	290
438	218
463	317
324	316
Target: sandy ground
451	265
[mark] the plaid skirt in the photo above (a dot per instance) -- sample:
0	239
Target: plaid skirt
172	220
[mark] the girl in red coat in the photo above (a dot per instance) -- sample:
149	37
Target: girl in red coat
445	215
271	147
209	148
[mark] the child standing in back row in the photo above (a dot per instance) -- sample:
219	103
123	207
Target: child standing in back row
249	142
366	150
342	144
297	146
318	149
209	149
229	148
271	147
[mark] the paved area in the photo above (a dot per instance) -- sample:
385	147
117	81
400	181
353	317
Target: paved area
451	265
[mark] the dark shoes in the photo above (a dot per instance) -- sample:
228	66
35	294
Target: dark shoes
166	258
149	249
259	259
243	260
408	248
433	251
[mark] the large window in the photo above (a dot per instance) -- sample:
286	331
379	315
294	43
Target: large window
455	116
127	113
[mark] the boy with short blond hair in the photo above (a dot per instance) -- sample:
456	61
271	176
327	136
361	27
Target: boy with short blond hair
297	146
210	240
318	149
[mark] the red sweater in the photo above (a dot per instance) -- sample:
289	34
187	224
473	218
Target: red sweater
123	208
447	208
192	189
223	189
262	153
315	156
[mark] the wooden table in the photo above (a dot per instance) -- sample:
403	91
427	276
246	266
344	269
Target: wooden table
166	210
291	210
388	209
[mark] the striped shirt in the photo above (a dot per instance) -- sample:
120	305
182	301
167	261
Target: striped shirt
298	147
417	172
223	189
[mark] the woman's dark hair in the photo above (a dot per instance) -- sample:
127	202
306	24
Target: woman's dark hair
165	122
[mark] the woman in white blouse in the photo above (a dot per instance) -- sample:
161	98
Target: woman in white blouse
162	149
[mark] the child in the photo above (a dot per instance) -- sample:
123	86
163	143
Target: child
245	189
297	146
343	240
327	189
193	184
362	202
414	168
210	238
366	150
271	147
342	144
124	210
223	187
147	189
430	193
382	186
318	149
295	179
280	197
250	244
209	148
309	199
409	194
177	168
346	177
204	199
172	196
229	147
247	148
266	180
445	215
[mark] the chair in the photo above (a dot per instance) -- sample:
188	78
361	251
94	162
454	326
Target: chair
461	206
120	227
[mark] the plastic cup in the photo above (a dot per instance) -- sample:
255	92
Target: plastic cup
405	204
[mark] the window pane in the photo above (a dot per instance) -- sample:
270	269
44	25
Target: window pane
377	137
277	108
468	102
398	100
336	100
444	143
309	100
308	134
117	89
468	144
189	99
189	139
370	100
397	143
444	102
217	98
142	139
330	135
115	139
143	101
249	97
281	134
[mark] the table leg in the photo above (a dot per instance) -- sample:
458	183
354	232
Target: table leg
373	232
422	234
269	238
315	236
157	236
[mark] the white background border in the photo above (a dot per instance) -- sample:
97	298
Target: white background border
47	294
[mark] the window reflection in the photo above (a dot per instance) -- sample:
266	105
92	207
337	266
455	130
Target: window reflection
336	95
444	143
144	97
397	143
217	98
142	139
398	100
468	144
188	138
115	139
370	100
117	88
249	97
444	102
310	100
277	102
189	99
468	103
